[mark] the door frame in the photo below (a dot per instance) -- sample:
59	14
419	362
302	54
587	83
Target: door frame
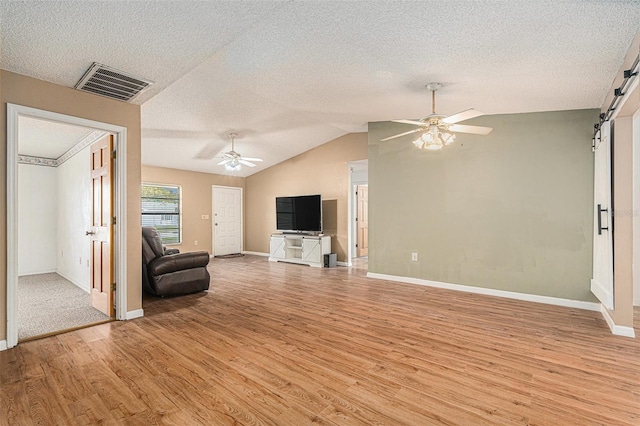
15	111
636	207
213	209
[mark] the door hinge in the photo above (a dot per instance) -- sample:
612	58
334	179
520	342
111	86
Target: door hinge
356	245
356	219
113	154
113	286
113	220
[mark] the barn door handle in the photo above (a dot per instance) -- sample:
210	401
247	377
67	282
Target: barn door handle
89	233
600	228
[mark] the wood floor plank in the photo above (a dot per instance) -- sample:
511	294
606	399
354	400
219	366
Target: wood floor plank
279	344
14	404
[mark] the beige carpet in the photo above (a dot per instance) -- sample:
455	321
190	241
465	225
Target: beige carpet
49	302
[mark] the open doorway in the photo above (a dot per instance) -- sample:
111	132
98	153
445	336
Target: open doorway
358	213
118	138
54	212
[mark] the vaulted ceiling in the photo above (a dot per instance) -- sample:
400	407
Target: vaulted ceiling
288	76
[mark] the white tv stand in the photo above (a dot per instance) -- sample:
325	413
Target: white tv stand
299	248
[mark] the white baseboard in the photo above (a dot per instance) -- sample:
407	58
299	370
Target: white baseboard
256	253
344	264
618	330
590	306
138	313
52	271
3	345
84	288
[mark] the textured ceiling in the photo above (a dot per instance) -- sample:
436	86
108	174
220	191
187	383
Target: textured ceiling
47	139
288	76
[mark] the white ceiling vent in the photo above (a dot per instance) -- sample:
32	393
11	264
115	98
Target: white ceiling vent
105	81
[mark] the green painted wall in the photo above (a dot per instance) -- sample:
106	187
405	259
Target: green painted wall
509	211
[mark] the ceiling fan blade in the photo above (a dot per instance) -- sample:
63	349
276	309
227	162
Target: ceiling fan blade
245	162
225	161
417	123
463	115
401	134
252	159
476	130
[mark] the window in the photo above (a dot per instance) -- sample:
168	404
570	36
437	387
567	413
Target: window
161	209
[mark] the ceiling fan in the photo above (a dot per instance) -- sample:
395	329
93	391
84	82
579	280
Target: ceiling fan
436	130
232	160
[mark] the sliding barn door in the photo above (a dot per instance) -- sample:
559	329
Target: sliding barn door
602	278
102	293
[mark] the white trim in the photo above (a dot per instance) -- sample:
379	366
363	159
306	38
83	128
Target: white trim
138	313
52	271
120	235
618	330
256	253
212	216
625	98
590	306
12	228
350	213
636	207
344	264
3	345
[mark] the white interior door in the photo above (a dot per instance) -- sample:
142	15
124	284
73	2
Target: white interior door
227	220
602	278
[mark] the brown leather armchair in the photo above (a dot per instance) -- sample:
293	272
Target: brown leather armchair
166	274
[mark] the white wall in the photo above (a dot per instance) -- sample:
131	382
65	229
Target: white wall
74	219
37	219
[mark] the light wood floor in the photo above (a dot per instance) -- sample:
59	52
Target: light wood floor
279	344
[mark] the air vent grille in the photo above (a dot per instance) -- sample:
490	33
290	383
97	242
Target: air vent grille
105	81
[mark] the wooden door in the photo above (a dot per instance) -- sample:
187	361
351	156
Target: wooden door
227	221
362	197
102	293
602	277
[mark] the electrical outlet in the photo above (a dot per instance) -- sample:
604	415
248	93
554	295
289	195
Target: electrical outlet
195	243
414	257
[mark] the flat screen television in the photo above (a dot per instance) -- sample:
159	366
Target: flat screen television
301	213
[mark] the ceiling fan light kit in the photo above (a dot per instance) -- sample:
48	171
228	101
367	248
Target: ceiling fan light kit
434	139
233	161
436	131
